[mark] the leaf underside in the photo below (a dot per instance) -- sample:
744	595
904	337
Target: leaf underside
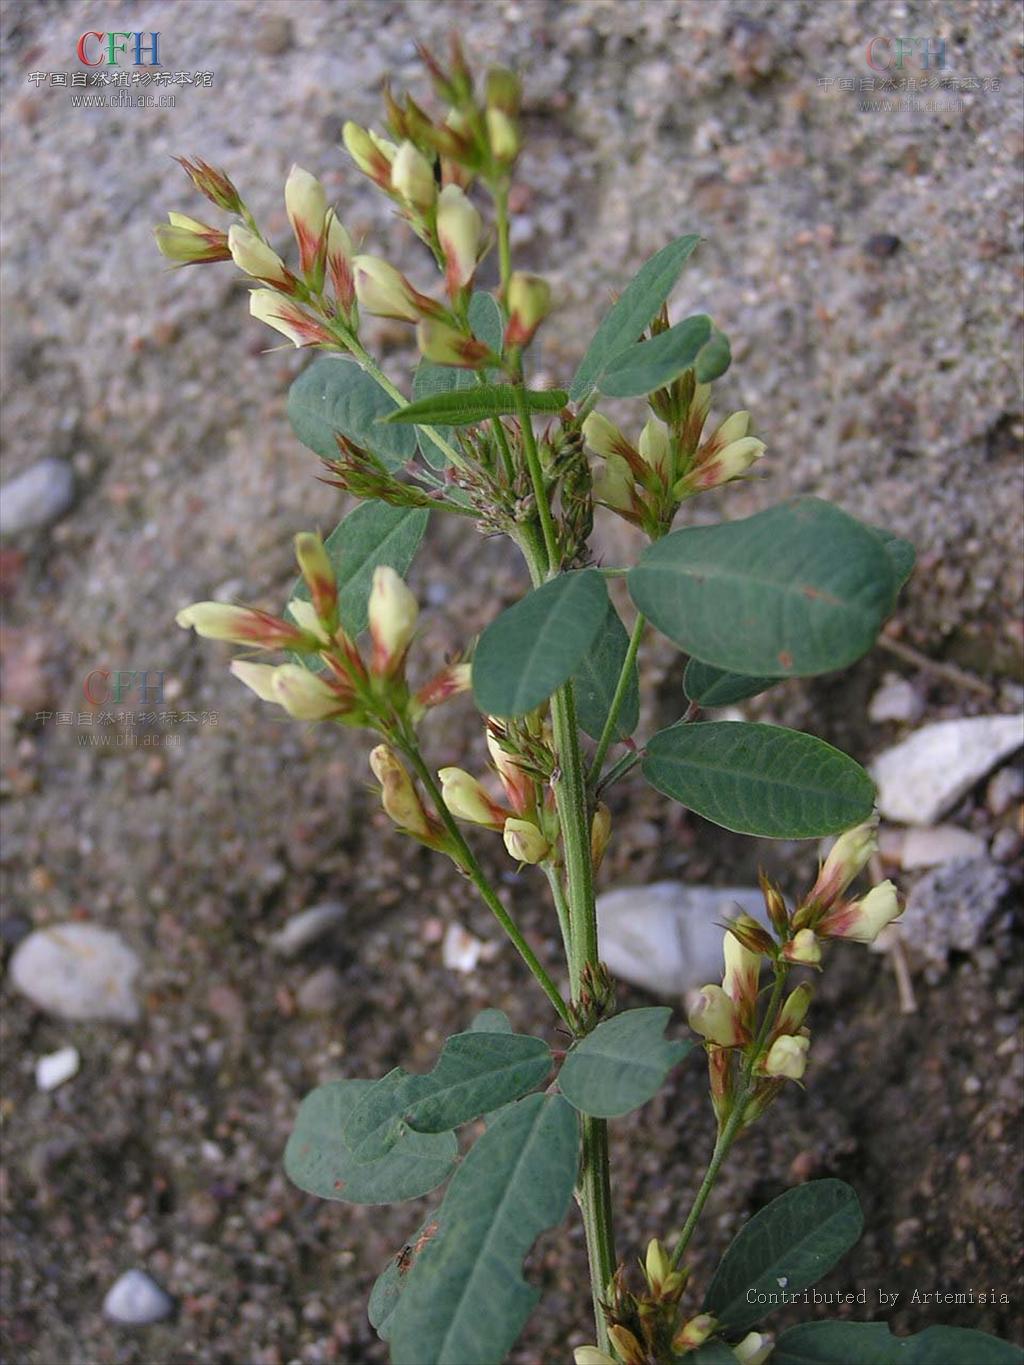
334	395
595	680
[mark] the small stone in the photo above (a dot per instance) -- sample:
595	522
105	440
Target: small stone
925	775
1006	787
667	937
896	699
57	1067
275	35
301	930
882	245
950	908
135	1300
460	951
321	992
37	497
78	971
940	844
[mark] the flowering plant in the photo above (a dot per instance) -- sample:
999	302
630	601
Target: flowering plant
797	590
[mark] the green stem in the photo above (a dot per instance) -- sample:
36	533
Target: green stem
595	1200
554	877
618	697
478	877
624	765
734	1122
540	492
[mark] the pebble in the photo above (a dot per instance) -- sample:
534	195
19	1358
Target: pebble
37	497
897	699
57	1067
321	992
925	775
460	950
78	971
940	844
135	1300
1006	787
950	907
307	927
276	35
667	937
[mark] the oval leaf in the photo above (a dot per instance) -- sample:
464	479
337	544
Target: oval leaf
465	1298
710	686
650	365
336	395
633	310
388	1286
463	407
475	1073
788	1246
319	1161
714	359
621	1064
871	1343
759	779
595	680
796	590
902	555
533	648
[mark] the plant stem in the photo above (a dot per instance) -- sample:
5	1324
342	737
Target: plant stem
478	877
618	697
540	492
595	1200
561	909
734	1122
625	764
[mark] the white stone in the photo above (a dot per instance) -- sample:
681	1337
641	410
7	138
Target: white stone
305	928
57	1067
938	845
135	1300
667	937
78	971
896	699
460	950
921	778
36	497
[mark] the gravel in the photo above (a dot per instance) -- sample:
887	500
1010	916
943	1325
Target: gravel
37	497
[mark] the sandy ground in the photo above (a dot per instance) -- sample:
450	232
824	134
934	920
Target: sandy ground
866	266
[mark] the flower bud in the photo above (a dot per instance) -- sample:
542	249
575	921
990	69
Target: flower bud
804	948
448	683
729	463
694	1333
190	242
304	615
308	696
732	429
657	1266
614	484
286	317
656	449
257	677
775	904
629	1349
384	291
214	184
715	1017
604	438
393	612
398	794
590	1355
600	834
251	254
503	136
446	346
459	229
243	626
794	1011
306	203
318	572
528	302
754	1349
518	785
752	935
524	841
742	969
863	920
787	1057
339	264
849	855
373	155
721	1083
467	800
412	177
503	90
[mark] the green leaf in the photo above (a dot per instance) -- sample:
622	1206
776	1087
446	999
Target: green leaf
871	1343
799	589
431	378
388	1286
788	1246
649	365
465	1298
372	534
336	395
475	1073
490	1021
710	686
714	359
531	649
759	779
318	1159
463	407
485	320
595	680
621	1064
633	310
902	555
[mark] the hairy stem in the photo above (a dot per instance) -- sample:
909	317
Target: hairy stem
618	697
540	492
